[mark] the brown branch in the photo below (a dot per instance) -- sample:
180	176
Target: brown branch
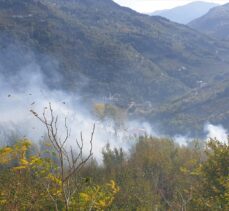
74	163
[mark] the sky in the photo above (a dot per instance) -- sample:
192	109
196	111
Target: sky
148	6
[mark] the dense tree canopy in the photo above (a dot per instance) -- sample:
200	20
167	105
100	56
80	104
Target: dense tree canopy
157	174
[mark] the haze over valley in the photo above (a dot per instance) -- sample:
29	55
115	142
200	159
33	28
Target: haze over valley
116	56
106	108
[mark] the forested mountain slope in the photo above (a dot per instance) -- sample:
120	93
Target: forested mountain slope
215	23
99	49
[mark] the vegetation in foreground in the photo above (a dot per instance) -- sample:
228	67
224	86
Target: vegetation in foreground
156	175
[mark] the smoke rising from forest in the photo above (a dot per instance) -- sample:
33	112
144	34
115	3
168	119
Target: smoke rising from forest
23	88
26	90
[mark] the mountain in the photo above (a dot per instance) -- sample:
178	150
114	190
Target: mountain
100	49
204	105
185	14
215	23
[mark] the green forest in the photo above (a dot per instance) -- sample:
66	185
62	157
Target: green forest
156	174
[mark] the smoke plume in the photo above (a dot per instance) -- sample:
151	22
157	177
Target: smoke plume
23	87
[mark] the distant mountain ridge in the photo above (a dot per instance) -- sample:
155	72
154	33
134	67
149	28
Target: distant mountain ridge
117	51
187	13
215	23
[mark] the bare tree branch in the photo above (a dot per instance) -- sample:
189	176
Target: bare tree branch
69	164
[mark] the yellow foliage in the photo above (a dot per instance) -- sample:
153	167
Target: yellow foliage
54	179
100	109
24	162
84	197
6	150
3	201
40	170
99	197
6	155
19	168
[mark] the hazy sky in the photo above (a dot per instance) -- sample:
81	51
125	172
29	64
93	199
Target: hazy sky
147	6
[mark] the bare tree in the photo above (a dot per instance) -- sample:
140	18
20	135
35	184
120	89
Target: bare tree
180	202
70	161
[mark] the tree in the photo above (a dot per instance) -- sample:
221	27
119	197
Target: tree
24	178
30	182
70	162
212	190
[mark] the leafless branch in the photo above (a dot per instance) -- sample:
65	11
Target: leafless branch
69	164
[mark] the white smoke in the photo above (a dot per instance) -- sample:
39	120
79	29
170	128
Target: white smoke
216	132
212	132
27	91
182	140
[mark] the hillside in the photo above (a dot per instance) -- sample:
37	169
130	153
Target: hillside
187	13
215	23
100	49
207	104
